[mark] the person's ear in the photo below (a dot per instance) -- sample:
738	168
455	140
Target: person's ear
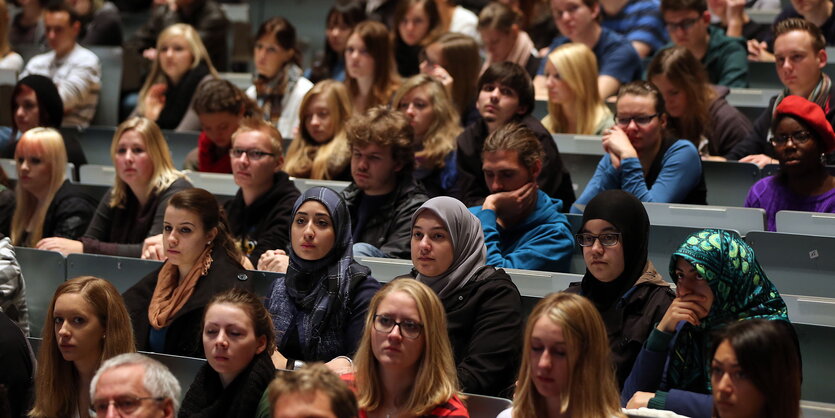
279	163
706	16
262	344
663	119
212	234
536	170
76	27
822	58
595	11
168	408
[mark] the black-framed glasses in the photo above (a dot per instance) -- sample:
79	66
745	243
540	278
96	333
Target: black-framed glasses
799	138
683	25
252	154
607	239
643	120
408	328
125	404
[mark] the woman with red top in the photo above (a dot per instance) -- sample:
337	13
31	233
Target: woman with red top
404	364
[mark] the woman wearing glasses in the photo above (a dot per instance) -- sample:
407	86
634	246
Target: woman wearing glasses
802	138
404	364
624	286
641	159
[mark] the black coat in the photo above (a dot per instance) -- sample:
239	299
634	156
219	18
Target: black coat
69	214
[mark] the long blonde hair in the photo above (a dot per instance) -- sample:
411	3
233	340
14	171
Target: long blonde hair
592	391
157	148
49	144
440	139
55	372
577	67
308	159
377	41
196	47
436	381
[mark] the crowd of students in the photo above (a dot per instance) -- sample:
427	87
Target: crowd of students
448	168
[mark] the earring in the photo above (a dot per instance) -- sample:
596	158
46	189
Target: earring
823	158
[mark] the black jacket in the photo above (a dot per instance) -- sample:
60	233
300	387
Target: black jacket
265	224
183	337
392	231
69	214
471	188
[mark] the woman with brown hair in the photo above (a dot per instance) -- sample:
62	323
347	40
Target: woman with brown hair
418	24
454	60
371	73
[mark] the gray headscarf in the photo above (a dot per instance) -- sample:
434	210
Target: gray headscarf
467	244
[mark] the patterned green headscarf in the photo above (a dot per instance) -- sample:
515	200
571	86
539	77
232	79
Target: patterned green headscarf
741	291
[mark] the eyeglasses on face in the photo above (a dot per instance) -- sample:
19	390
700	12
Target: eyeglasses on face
608	239
408	328
623	121
124	404
252	154
683	25
799	138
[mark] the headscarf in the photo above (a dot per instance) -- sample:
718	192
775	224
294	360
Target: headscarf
318	290
740	289
627	214
469	252
49	99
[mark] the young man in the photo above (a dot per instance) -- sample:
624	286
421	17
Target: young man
523	227
799	49
260	213
637	20
312	391
579	21
74	69
724	58
505	96
220	106
120	388
383	195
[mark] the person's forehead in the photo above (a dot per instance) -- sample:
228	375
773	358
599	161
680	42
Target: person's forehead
122	380
501	160
796	40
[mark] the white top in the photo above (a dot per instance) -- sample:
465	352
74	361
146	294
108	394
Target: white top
288	122
13	61
466	22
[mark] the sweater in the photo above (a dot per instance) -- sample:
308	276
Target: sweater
773	195
69	213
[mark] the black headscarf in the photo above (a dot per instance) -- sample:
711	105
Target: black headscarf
50	105
627	214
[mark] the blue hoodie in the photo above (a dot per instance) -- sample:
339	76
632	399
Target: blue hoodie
542	241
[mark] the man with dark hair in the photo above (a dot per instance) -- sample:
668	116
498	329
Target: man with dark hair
312	391
725	58
505	96
382	159
74	69
523	227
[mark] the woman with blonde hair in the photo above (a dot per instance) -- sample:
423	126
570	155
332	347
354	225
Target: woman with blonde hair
86	323
48	205
182	64
454	60
435	122
574	104
320	148
404	363
371	73
566	369
132	210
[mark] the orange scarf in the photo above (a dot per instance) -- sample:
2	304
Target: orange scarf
171	294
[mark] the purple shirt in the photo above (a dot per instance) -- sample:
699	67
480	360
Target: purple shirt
773	196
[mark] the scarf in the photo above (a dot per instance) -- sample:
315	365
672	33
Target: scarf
206	397
626	213
741	291
469	252
171	293
178	97
520	53
819	95
271	93
210	157
314	296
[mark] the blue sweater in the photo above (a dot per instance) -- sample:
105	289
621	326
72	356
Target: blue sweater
541	242
681	171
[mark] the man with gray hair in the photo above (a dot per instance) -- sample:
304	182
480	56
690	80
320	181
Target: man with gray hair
134	385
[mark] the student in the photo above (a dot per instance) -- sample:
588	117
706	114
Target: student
457	19
371	73
342	17
418	24
12	287
523	227
454	61
639	21
503	39
9	59
220	106
819	13
313	391
382	160
101	23
724	58
506	95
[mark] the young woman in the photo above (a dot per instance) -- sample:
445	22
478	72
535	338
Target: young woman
320	147
574	104
718	281
182	64
319	309
802	138
640	159
457	19
47	203
202	260
371	72
278	85
624	286
454	61
756	371
341	20
238	338
86	323
418	24
483	306
504	40
435	121
698	111
132	210
9	59
565	363
404	364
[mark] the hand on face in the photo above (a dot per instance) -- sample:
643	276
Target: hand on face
616	143
508	203
688	308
